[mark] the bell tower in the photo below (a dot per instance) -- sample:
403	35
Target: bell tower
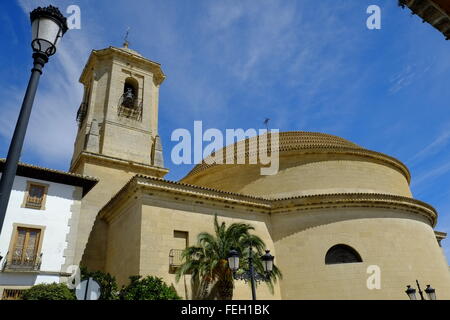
117	131
118	117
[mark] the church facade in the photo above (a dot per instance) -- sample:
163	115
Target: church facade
340	219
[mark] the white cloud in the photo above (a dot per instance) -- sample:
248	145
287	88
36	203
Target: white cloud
403	78
432	148
52	128
438	171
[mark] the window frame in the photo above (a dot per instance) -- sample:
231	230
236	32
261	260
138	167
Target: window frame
27	194
19	290
15	235
349	249
177	235
134	83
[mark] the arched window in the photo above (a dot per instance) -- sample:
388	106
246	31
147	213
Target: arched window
342	253
130	93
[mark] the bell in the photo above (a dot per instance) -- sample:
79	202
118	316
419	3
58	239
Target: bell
128	98
129	94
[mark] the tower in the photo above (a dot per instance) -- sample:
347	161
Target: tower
117	129
118	117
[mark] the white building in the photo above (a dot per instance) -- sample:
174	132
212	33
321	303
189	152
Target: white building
40	228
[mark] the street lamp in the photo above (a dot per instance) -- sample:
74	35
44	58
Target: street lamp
233	260
411	292
431	293
251	274
48	26
267	261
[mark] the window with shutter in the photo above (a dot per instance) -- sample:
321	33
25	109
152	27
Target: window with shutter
35	196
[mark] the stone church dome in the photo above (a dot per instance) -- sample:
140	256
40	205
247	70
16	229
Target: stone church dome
308	140
309	163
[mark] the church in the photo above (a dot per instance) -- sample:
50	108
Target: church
335	216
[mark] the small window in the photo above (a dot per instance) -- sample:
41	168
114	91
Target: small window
342	253
12	294
130	93
180	242
181	239
130	105
35	196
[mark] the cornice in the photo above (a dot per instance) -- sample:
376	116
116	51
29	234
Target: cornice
145	183
52	175
268	206
154	67
435	12
150	183
118	163
129	127
440	235
349	200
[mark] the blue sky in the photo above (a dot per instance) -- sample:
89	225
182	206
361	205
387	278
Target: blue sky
308	65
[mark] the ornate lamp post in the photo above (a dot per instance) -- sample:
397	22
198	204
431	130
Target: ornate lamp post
48	26
251	274
411	292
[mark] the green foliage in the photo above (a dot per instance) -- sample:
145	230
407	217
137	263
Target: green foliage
53	291
149	288
208	264
108	284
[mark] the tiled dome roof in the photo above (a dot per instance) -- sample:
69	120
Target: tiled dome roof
302	142
307	140
290	141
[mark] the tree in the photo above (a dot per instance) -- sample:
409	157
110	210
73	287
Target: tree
53	291
108	284
149	288
207	261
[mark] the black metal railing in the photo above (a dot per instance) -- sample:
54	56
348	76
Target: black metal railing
130	107
12	294
175	258
23	263
81	113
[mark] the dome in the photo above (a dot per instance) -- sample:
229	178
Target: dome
309	163
131	51
308	140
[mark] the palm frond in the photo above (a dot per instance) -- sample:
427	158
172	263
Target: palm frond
207	260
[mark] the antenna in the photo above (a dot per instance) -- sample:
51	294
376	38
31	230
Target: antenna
126	42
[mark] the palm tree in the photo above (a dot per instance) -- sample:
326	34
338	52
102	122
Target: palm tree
207	261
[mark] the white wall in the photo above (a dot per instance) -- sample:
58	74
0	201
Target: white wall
55	219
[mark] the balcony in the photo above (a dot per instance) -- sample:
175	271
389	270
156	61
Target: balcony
130	107
81	113
23	264
175	259
34	202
